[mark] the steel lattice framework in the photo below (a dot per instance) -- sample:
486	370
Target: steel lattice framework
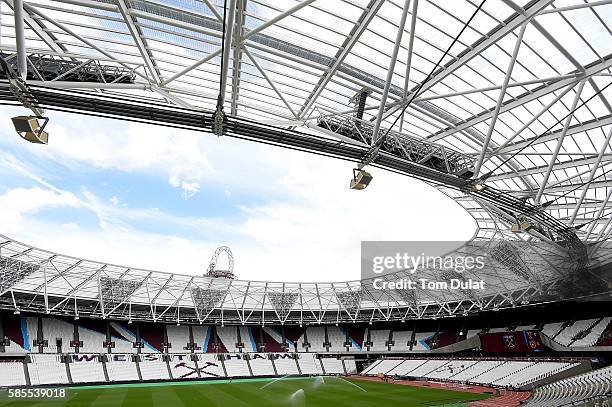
522	95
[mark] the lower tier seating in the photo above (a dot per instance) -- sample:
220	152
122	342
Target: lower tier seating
502	373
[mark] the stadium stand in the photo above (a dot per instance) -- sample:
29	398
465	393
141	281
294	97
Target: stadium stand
272	339
261	365
228	336
401	340
178	338
592	335
47	369
203	337
58	334
573	390
500	373
379	339
210	366
420	341
121	368
247	339
333	366
567	335
356	336
87	370
154	369
337	339
151	337
236	366
552	329
381	366
309	364
92	335
286	365
407	366
12	374
123	338
183	367
316	338
351	366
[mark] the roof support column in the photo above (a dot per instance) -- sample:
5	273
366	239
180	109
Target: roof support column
22	62
500	99
398	40
604	147
553	159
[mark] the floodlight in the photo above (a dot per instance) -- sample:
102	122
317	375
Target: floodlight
520	227
30	129
361	179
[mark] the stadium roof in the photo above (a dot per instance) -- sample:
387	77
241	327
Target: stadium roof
520	90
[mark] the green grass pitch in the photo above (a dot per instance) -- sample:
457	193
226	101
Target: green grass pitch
292	392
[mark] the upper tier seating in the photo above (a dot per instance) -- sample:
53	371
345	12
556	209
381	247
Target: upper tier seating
228	335
566	336
54	329
336	338
401	340
316	338
178	338
379	339
93	340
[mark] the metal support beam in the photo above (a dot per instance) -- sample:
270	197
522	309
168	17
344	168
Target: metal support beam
343	51
263	73
237	59
139	41
246	37
390	71
576	7
500	99
413	20
479	46
22	58
553	159
227	48
602	151
591	70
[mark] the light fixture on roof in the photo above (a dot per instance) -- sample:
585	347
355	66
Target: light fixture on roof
522	226
30	129
361	179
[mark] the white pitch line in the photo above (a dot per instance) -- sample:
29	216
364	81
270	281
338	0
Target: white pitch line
273	381
351	383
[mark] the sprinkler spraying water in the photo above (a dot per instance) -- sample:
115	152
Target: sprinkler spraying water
298	397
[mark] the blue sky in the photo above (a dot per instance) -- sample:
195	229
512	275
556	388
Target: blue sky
147	196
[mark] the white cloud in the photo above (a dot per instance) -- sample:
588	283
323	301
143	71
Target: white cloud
16	204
